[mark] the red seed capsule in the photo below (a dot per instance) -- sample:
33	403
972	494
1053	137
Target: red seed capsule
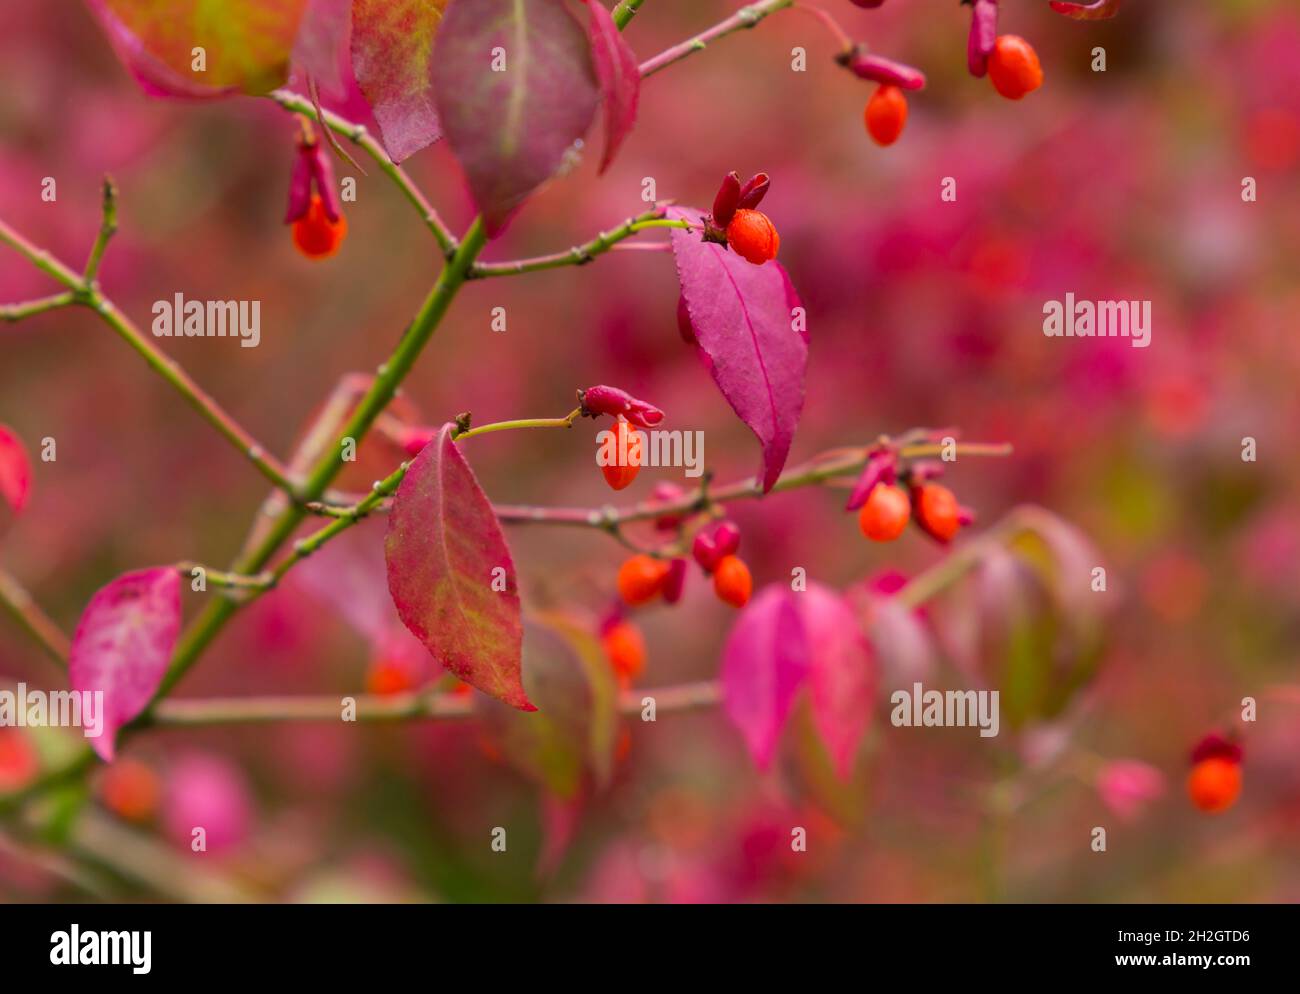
641	578
732	581
753	237
1014	68
886	114
1214	784
622	456
885	514
315	235
937	511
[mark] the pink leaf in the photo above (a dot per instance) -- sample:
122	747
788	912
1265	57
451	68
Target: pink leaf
1126	786
392	58
444	550
348	575
123	644
1096	10
841	675
320	38
619	74
743	316
209	792
15	471
515	87
245	44
764	663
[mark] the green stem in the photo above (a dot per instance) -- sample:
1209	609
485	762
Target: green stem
564	422
372	707
107	229
30	308
15	599
625	11
579	255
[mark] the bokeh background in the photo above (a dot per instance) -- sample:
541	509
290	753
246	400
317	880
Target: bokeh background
1122	184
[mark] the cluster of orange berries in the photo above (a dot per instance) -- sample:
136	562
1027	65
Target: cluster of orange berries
1009	61
643	578
1214	783
885	508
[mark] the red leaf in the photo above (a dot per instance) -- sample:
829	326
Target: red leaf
246	43
15	471
1095	10
392	58
764	662
320	40
123	644
742	316
620	78
841	674
444	549
515	87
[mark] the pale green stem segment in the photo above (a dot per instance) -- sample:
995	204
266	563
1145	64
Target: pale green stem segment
625	11
18	603
580	255
745	17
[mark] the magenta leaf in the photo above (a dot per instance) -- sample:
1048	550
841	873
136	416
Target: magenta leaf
841	673
515	86
743	316
619	74
569	742
392	58
15	471
764	662
451	575
320	39
203	48
1096	10
123	644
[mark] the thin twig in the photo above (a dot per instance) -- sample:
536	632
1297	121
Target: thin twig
745	17
403	707
580	255
15	599
30	308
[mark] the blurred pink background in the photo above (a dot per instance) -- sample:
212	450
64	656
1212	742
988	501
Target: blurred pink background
1122	184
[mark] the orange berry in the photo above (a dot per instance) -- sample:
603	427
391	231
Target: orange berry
885	514
130	790
641	578
316	236
752	236
622	455
1014	68
388	677
886	114
937	511
732	582
461	689
1214	784
625	648
18	761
